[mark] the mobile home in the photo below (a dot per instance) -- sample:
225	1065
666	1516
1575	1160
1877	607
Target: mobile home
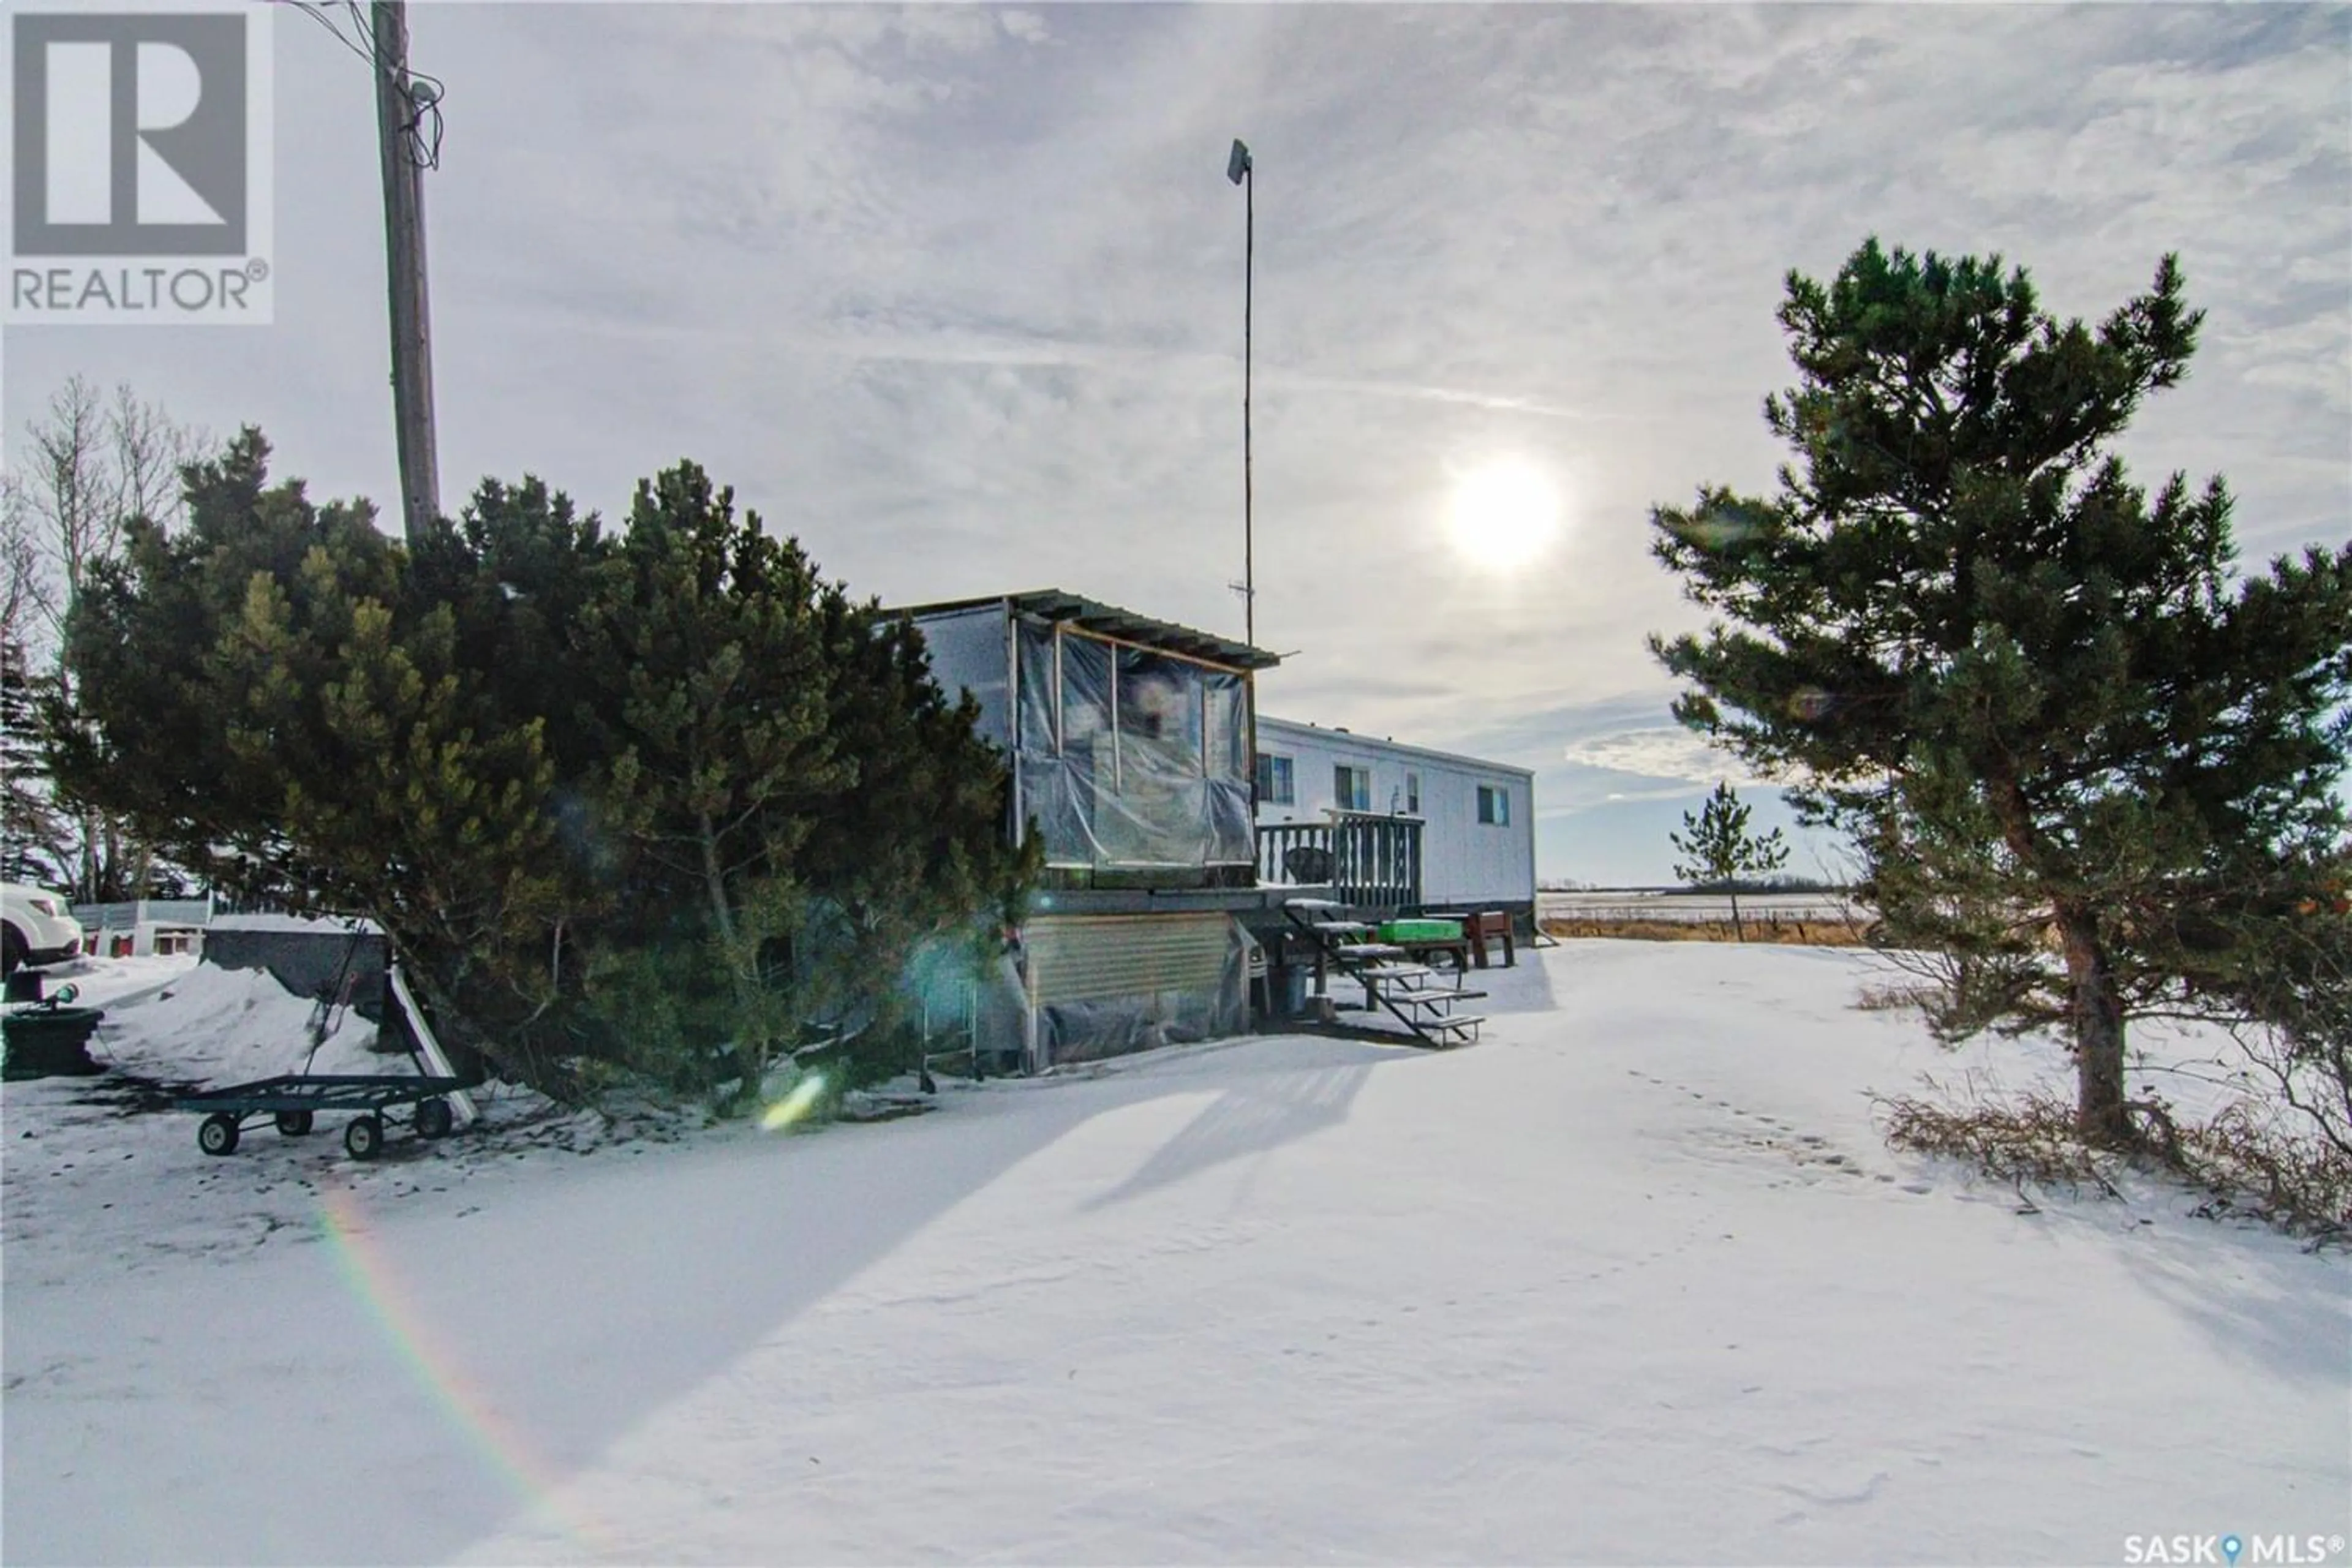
1476	818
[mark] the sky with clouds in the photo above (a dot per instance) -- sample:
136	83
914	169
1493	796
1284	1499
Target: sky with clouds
954	294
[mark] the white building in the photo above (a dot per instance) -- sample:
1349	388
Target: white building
1127	746
1478	817
146	927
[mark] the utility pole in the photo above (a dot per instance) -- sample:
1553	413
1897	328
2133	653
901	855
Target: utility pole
1242	170
399	105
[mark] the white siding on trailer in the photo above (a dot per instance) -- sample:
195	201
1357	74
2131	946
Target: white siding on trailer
1314	760
1463	859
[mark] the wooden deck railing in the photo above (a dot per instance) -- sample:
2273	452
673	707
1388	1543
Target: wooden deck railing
1366	861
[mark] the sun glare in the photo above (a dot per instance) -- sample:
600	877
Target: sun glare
794	1107
1504	514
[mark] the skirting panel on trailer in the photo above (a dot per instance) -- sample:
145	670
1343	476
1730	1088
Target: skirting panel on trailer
1100	985
1086	958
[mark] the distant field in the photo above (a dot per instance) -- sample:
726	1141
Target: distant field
1827	918
1640	904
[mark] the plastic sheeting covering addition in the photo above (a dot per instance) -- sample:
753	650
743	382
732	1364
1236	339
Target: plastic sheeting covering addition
1127	757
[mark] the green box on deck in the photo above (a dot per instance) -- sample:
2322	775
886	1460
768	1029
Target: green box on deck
1421	931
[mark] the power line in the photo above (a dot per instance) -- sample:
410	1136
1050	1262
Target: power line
319	16
421	126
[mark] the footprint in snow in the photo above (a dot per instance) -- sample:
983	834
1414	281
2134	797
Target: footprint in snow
1844	1497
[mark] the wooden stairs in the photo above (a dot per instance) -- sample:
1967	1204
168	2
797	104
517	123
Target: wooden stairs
1409	991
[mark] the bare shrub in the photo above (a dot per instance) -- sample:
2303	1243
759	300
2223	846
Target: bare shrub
1893	998
2250	1162
2247	1158
2298	1040
2032	1139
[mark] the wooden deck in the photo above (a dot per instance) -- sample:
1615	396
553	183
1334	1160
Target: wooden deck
1362	861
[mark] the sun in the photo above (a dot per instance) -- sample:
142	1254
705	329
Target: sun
1504	514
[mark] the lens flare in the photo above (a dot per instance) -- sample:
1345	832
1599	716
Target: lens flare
430	1349
795	1106
1810	704
1720	530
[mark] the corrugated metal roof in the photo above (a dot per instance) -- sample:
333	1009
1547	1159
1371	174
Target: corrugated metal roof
1094	615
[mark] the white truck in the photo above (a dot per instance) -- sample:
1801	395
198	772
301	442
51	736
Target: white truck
36	927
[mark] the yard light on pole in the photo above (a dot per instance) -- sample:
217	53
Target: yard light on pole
1240	171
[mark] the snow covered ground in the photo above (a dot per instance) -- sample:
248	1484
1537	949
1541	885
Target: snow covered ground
1634	1280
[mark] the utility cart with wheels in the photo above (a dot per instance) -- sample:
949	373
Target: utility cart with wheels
431	1099
294	1101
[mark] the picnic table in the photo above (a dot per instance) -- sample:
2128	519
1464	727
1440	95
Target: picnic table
1478	928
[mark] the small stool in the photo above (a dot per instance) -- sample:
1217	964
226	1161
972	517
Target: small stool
1485	924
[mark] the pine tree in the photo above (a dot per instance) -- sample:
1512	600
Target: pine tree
805	801
610	795
705	645
259	697
2044	704
915	858
1721	849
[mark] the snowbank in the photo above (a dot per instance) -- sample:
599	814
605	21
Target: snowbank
229	1026
320	924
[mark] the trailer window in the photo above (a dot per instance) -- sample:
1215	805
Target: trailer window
1351	788
1276	784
